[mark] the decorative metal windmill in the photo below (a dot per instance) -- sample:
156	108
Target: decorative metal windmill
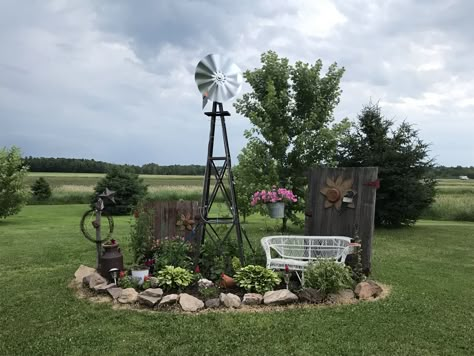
219	80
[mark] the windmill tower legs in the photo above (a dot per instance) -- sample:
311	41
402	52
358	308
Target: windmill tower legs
221	169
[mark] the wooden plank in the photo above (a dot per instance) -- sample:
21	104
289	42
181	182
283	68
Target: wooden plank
331	222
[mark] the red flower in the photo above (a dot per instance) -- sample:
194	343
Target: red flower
113	242
146	278
197	269
287	269
122	274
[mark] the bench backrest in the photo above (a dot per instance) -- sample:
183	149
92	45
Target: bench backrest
306	247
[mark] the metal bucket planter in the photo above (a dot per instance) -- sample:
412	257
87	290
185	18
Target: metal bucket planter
140	274
276	210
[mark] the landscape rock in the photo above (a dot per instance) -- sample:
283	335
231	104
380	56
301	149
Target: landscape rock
153	292
345	296
128	296
115	292
148	300
190	303
93	279
367	290
169	299
205	283
83	271
102	288
252	299
281	296
153	282
310	295
213	303
230	300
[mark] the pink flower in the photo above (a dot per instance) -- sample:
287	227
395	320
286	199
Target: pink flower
287	269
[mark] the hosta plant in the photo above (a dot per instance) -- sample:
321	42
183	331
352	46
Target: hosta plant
255	278
174	278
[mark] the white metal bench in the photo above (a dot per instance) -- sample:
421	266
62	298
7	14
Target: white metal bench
297	252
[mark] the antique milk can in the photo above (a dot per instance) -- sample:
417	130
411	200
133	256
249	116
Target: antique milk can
111	258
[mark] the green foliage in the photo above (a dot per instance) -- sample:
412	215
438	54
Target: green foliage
256	278
172	251
128	282
406	187
41	189
216	258
13	193
174	278
328	276
209	293
141	234
291	109
129	189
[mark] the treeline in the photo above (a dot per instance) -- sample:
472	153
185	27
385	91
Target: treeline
80	165
453	172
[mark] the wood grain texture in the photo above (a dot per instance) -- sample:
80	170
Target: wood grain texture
331	222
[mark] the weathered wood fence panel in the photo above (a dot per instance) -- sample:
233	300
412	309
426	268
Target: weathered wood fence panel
167	214
325	220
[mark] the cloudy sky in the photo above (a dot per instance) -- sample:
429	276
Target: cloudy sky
114	80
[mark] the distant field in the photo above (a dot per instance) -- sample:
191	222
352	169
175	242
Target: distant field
90	179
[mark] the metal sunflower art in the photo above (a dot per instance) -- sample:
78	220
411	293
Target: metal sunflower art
338	191
186	222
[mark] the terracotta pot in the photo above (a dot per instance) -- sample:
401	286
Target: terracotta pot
227	281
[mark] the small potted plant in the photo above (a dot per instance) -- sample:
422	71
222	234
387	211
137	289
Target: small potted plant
139	272
275	200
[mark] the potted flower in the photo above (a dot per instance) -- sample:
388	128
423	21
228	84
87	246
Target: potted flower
139	272
275	200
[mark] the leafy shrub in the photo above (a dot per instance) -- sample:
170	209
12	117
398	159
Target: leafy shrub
172	251
256	278
209	293
13	194
41	189
174	278
141	234
327	276
129	190
216	258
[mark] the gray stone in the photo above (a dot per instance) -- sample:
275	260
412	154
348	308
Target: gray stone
190	303
252	299
148	300
205	283
345	296
213	303
281	296
83	271
93	279
153	292
367	290
102	288
128	296
169	299
115	292
310	295
230	300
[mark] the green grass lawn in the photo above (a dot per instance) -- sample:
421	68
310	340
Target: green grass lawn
430	310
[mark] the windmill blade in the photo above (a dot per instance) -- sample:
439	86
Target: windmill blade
218	78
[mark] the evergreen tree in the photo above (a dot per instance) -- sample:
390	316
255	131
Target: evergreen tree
406	186
129	190
41	189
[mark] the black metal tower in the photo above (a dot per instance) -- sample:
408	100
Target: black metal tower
221	169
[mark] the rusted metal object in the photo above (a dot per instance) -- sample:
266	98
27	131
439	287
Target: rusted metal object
111	258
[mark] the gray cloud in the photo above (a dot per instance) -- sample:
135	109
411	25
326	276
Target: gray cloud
113	80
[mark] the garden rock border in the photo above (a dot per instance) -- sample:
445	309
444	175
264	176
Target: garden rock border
155	299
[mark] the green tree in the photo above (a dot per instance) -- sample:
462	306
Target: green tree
406	183
13	192
129	188
41	189
291	110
